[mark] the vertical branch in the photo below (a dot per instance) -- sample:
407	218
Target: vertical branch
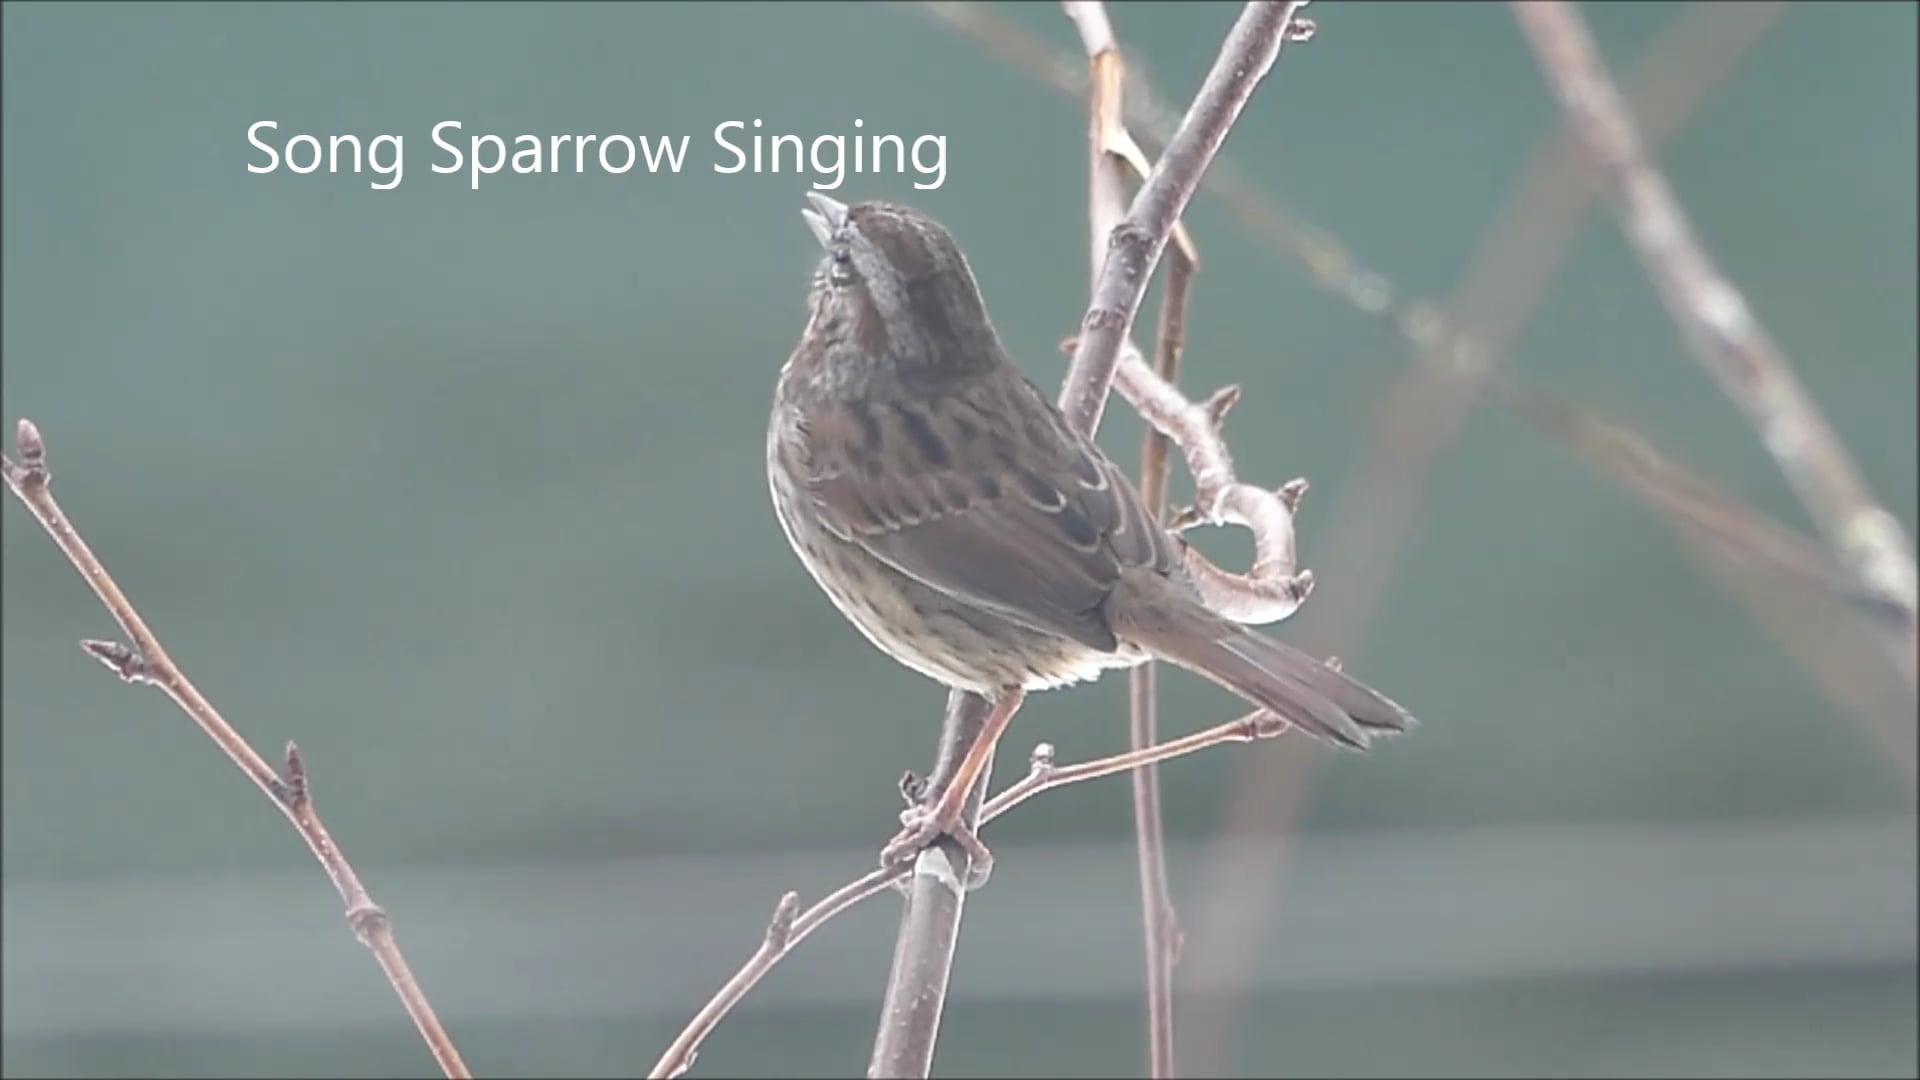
1725	336
1111	150
1162	925
1106	132
930	925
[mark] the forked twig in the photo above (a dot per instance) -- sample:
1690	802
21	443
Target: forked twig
145	662
1134	245
787	930
1271	589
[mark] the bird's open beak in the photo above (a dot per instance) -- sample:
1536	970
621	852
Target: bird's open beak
824	217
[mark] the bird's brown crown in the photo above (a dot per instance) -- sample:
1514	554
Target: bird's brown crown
892	288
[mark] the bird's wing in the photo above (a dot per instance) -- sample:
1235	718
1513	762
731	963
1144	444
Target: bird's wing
1035	529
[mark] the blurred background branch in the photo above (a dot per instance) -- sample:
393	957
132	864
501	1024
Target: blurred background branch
1719	326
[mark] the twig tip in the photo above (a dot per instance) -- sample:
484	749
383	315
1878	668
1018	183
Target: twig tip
33	449
31	470
780	927
1220	402
1291	492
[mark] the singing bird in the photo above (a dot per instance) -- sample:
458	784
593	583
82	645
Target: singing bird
951	513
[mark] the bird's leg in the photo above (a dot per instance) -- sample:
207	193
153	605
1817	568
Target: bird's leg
924	823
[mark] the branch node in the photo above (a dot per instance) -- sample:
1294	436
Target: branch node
1332	662
1265	725
1301	585
1129	234
33	449
296	794
1301	29
1040	762
368	921
1219	403
1291	492
123	660
913	787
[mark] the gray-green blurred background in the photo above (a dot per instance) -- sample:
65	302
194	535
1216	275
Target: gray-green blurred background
463	491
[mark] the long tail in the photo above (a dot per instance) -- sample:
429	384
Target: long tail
1318	699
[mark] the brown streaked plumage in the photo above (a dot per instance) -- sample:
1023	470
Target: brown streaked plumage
952	515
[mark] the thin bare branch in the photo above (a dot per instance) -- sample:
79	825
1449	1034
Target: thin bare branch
1161	922
1722	331
1111	151
1271	590
1738	532
1790	584
785	932
145	662
1043	775
1135	244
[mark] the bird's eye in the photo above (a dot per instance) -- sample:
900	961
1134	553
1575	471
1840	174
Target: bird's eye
842	271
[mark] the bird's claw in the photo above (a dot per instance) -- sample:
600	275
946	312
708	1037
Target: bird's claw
920	828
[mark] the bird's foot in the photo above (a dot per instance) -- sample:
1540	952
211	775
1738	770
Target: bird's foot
921	826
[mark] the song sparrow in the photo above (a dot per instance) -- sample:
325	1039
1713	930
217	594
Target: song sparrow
951	513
